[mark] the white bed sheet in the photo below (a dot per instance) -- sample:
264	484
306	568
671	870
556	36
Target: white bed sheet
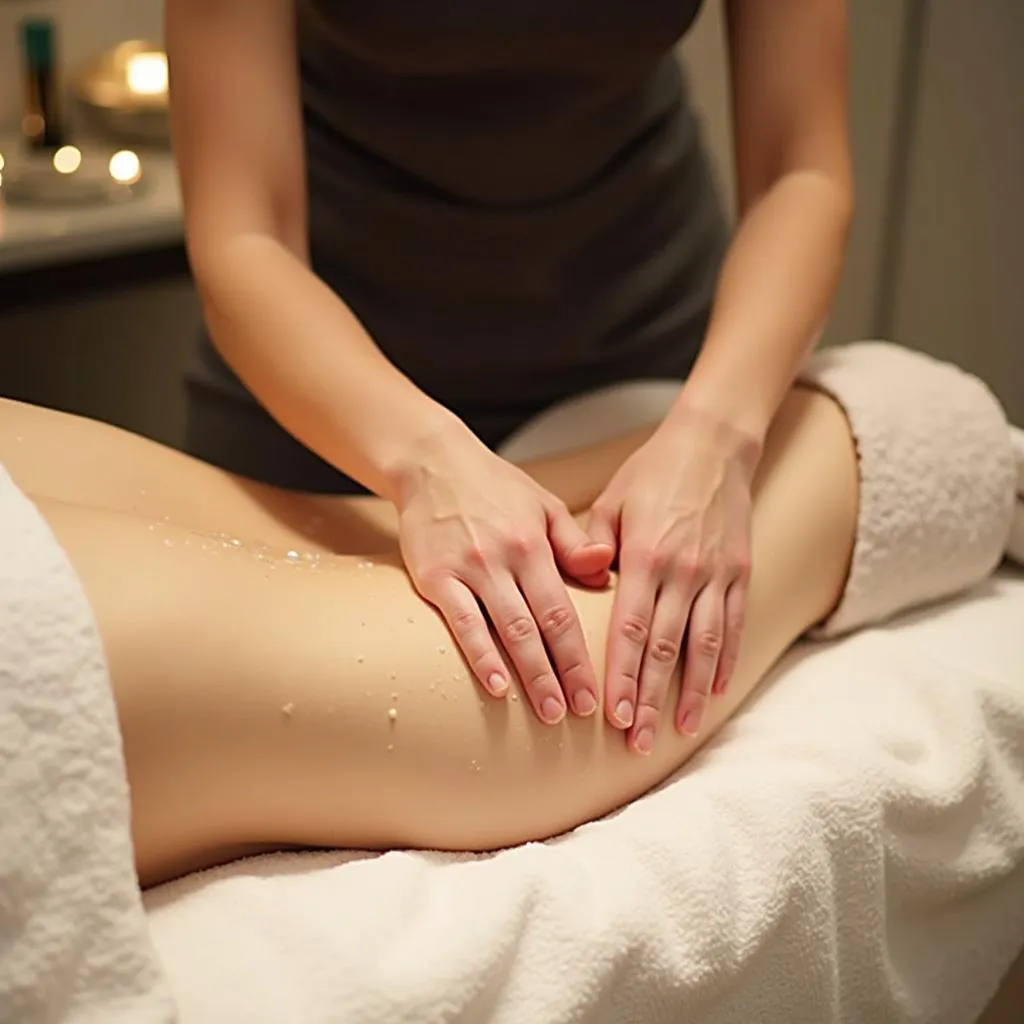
850	848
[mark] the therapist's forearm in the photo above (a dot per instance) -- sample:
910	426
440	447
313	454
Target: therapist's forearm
305	356
774	294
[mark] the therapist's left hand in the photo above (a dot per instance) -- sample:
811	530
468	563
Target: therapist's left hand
678	514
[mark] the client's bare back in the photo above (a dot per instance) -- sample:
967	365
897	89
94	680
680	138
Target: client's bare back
87	462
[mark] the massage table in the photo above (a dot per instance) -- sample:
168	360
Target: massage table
850	848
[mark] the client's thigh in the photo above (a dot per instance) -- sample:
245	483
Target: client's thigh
265	700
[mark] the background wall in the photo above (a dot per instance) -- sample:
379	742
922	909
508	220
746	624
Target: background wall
956	285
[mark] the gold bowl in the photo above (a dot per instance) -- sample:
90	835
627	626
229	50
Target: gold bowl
124	93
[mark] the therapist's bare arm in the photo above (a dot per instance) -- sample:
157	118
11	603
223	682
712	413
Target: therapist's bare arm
237	133
475	530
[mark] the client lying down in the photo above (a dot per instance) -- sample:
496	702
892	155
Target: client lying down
279	682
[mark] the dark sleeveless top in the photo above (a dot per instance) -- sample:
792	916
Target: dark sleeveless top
513	197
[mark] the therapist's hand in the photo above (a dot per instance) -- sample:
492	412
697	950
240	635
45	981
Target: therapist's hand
477	534
679	513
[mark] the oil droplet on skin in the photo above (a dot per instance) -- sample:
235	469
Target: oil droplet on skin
393	714
514	696
360	659
168	543
293	556
391	746
366	564
287	710
442	649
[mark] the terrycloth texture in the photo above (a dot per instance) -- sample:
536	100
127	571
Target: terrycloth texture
937	473
1015	547
850	849
74	946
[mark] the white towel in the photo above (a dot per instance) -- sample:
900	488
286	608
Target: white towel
938	477
74	946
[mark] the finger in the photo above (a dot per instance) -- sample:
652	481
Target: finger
627	641
555	614
597	581
704	639
520	635
590	565
469	627
661	658
575	551
735	614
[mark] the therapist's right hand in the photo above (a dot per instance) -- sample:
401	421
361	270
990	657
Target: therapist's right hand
479	535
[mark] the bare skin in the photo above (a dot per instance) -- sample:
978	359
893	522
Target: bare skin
269	699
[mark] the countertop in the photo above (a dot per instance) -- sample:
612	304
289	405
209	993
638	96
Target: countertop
34	237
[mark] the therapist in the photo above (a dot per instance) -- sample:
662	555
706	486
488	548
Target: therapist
414	226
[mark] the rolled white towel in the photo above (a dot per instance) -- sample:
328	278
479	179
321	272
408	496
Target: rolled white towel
938	478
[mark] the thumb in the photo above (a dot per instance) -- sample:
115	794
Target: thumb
602	527
576	553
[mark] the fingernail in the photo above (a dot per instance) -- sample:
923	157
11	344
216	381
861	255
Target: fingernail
624	713
551	710
584	703
498	684
690	723
644	742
